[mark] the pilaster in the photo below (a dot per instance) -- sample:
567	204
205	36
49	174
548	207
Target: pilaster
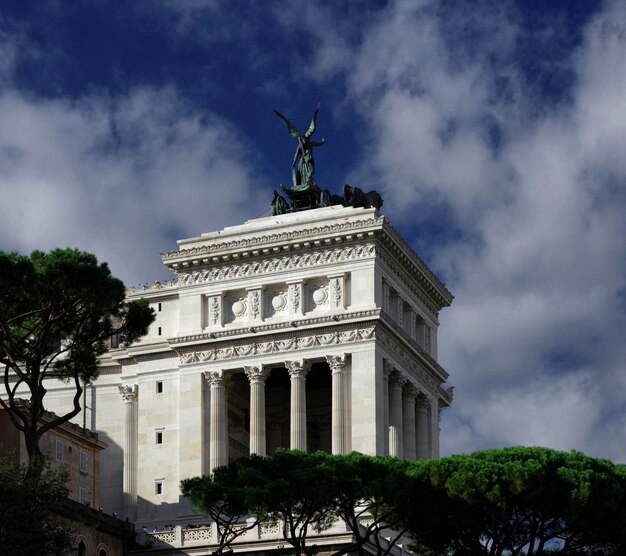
129	393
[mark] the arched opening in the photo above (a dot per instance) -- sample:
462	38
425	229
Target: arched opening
82	549
102	552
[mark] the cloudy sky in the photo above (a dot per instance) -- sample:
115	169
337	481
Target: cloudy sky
495	130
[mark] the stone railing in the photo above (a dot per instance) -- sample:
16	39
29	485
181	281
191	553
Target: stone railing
165	285
180	537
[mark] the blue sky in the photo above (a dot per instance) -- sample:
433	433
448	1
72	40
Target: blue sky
495	130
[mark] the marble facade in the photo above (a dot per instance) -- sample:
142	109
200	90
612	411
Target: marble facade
310	330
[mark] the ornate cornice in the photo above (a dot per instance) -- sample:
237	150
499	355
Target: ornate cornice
407	361
313	232
402	252
274	327
285	344
292	261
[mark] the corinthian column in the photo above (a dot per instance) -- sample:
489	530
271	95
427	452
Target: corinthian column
218	428
387	370
408	413
395	415
423	407
129	393
297	418
434	428
338	368
257	376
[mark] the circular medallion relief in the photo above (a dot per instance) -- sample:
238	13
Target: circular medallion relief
239	308
279	302
320	296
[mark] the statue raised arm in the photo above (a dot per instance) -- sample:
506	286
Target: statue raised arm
303	165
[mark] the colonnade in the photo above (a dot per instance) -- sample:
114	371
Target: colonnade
257	375
410	417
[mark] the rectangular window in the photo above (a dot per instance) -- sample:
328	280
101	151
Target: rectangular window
159	330
59	450
115	341
83	461
159	387
159	437
158	487
82	495
159	307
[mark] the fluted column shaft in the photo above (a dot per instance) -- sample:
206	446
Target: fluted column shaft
257	376
422	409
408	414
218	428
338	368
297	417
129	393
395	416
387	370
434	428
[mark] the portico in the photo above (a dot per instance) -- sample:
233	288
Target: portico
310	330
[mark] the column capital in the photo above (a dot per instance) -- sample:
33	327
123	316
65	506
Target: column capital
337	363
129	392
411	389
256	373
423	400
298	367
216	378
398	378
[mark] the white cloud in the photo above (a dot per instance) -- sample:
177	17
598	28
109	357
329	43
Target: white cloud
534	339
122	177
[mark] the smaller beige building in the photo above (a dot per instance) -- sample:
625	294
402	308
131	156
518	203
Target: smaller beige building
69	445
77	449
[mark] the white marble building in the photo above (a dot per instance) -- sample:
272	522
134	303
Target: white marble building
310	330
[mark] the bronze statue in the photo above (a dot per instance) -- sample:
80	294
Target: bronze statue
303	166
305	194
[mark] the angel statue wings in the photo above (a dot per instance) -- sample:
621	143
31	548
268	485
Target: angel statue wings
303	166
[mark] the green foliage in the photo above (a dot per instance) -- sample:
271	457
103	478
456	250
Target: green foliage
58	312
530	501
28	497
518	501
305	492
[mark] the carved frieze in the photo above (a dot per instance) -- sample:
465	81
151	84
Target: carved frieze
291	261
295	343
